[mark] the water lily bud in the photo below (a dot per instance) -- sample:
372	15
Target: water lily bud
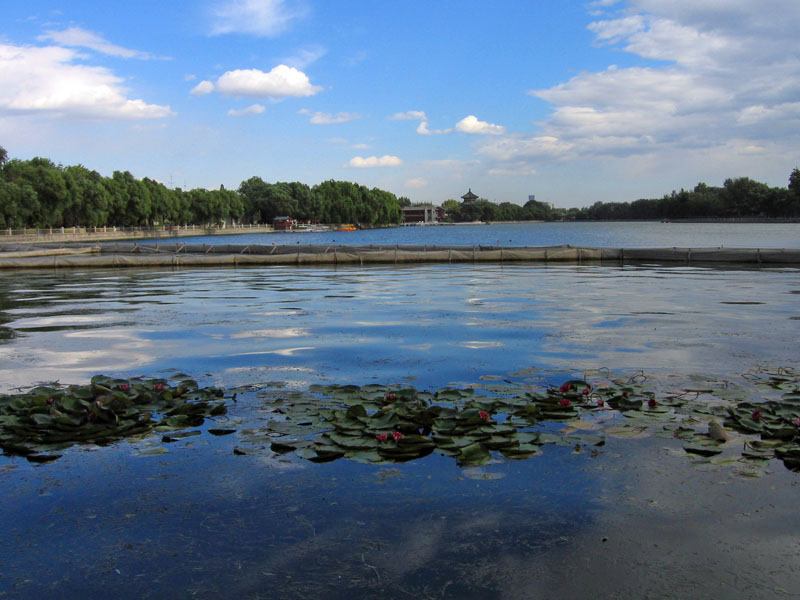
381	437
756	415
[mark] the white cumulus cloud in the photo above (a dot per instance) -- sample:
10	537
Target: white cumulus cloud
255	17
422	129
281	82
375	161
472	125
253	109
202	88
48	80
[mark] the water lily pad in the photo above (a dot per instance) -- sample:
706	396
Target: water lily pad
627	431
152	451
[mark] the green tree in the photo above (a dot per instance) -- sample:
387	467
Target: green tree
452	209
47	180
18	204
743	197
793	208
254	192
90	200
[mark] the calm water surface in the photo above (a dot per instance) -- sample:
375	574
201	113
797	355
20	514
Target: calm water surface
199	522
612	235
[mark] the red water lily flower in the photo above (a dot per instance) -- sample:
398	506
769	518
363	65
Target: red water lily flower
756	415
381	437
796	422
564	402
483	415
600	402
124	387
586	391
158	387
565	387
397	435
50	400
652	403
390	397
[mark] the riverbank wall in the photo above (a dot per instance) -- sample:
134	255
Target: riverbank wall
200	255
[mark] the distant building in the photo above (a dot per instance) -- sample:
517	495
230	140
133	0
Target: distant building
283	223
531	197
469	197
423	214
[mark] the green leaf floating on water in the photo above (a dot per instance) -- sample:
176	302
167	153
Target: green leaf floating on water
101	412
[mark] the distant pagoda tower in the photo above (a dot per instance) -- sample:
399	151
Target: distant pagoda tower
469	197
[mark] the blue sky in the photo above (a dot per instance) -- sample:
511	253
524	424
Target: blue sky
574	102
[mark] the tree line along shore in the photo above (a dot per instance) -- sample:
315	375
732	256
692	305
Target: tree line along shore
40	194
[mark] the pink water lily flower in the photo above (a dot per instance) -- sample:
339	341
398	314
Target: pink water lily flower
565	387
564	402
390	397
756	415
586	391
796	422
158	387
600	402
381	437
483	415
397	435
124	387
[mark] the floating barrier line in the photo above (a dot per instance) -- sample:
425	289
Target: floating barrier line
17	256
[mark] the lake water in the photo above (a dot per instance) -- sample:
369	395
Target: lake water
636	519
611	235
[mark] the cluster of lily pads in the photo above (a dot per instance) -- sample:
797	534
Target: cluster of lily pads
376	424
717	422
47	418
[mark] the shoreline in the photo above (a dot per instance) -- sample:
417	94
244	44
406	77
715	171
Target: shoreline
110	234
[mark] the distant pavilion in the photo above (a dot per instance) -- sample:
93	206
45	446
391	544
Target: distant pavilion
469	197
